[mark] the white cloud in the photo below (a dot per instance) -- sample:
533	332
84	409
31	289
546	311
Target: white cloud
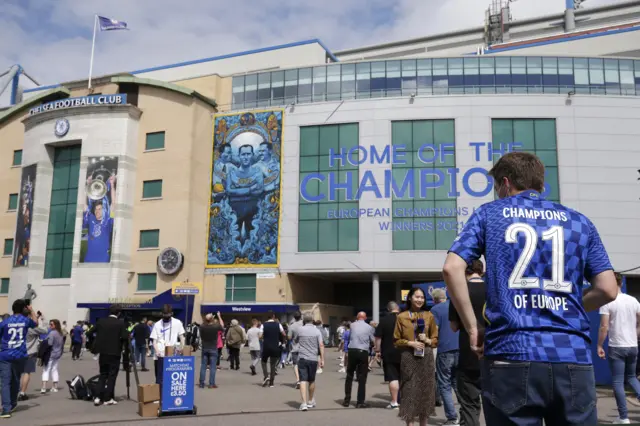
52	39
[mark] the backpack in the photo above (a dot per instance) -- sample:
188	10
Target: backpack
78	389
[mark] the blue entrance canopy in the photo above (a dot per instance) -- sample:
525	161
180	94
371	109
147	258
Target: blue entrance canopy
248	308
178	303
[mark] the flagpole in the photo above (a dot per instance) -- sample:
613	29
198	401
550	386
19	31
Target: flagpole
93	46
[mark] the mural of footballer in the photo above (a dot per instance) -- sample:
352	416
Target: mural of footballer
98	221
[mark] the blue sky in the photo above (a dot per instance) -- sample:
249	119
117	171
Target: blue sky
51	39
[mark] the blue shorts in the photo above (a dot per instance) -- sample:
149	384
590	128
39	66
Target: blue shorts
307	370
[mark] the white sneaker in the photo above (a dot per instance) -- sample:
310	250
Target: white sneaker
312	403
54	390
319	371
619	421
43	391
342	370
303	407
393	406
111	402
97	402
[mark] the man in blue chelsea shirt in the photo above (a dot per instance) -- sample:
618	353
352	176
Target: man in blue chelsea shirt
99	224
13	353
538	253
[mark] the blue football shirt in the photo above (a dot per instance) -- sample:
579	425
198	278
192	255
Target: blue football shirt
98	238
538	254
13	335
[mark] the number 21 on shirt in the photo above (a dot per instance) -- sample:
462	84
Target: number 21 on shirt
16	337
555	235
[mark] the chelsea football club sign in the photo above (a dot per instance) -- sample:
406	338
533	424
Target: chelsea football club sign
116	99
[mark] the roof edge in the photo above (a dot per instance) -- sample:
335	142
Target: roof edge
164	85
62	91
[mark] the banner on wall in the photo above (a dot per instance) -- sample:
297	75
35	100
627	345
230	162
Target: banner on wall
244	213
97	219
22	243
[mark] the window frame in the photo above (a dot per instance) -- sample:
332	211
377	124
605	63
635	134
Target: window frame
231	286
4	281
155	197
147	274
7	247
15	154
164	141
13	199
149	232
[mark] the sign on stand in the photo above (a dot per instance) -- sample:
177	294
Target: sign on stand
178	385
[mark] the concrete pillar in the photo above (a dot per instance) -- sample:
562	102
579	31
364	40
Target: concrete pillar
376	298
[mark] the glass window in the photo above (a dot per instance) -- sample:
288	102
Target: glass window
277	88
409	84
305	86
348	81
240	288
62	212
394	78
237	88
425	79
333	82
378	79
319	84
152	188
154	141
8	247
17	158
537	136
290	86
150	238
416	216
363	80
13	202
323	225
147	282
251	90
4	287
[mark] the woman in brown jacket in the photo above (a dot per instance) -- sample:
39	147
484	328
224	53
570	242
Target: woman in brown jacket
235	340
415	335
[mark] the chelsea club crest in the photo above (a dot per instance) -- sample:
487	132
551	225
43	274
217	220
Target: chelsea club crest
62	127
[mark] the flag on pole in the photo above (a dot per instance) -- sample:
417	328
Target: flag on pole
107	24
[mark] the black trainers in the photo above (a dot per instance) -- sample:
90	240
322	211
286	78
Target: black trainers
346	403
297	385
5	415
265	382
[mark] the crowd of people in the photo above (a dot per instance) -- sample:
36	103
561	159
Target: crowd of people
512	342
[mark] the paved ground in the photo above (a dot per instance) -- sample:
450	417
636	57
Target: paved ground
240	400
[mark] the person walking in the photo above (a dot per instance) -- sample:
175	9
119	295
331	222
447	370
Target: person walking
141	335
360	340
56	343
447	355
292	335
111	338
620	319
538	254
13	353
209	339
271	334
65	333
33	344
253	338
77	337
468	373
415	336
309	343
235	340
386	351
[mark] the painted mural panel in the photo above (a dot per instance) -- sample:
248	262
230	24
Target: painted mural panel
25	215
97	219
244	214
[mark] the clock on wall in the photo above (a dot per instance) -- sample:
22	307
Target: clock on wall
170	261
62	127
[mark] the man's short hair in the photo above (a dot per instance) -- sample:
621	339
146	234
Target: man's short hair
524	171
167	309
115	309
297	315
439	294
271	315
392	306
475	267
18	306
619	279
307	318
245	146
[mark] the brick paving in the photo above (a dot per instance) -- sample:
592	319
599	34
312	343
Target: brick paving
239	400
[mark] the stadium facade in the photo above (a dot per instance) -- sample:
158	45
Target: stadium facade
286	176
